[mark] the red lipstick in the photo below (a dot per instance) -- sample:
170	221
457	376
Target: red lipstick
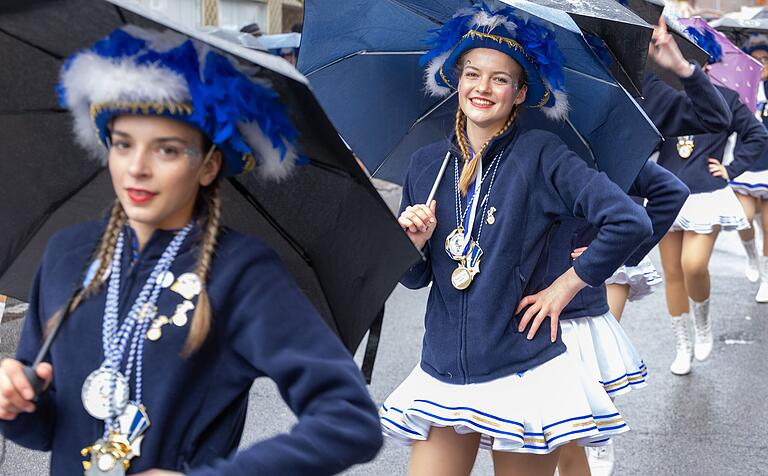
138	195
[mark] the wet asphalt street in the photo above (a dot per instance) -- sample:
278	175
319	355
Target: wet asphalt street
711	422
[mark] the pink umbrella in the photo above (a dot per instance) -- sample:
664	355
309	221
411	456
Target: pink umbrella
737	70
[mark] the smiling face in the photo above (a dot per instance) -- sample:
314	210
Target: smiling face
157	170
489	87
762	56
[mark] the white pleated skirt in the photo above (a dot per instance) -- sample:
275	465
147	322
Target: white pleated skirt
703	211
640	279
606	352
531	412
754	184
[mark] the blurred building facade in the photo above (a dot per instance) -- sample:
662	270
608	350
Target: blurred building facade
272	16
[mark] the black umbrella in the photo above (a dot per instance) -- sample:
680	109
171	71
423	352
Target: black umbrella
651	11
738	31
625	34
327	222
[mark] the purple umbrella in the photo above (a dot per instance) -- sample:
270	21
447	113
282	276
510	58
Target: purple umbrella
737	70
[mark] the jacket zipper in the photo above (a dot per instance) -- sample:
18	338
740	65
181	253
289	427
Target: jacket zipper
463	339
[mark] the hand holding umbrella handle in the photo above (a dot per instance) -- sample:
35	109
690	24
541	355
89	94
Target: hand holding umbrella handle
36	382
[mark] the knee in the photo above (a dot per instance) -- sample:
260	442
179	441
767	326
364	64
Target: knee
673	272
695	268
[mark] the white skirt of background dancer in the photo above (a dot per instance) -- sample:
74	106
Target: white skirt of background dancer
606	352
640	279
703	211
534	411
754	184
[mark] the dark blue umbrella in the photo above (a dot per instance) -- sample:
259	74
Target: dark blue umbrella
365	72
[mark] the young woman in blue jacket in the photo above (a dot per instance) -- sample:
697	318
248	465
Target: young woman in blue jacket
711	208
752	185
493	372
174	316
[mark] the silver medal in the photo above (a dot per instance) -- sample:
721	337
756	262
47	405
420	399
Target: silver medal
454	244
95	393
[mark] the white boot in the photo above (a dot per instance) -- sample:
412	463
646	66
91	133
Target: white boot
762	293
703	329
683	328
601	459
752	271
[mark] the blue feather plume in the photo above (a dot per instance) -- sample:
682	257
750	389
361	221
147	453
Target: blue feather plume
706	40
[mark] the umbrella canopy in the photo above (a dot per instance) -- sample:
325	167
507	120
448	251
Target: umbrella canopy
625	34
651	11
737	70
738	30
366	75
329	225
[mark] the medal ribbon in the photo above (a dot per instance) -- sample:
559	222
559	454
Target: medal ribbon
469	215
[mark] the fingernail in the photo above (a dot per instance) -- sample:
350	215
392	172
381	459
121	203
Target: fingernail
431	220
28	394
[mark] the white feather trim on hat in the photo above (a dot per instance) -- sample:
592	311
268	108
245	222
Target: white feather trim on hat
484	20
92	79
431	71
559	110
269	165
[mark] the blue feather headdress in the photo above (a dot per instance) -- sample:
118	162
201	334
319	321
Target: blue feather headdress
143	72
531	43
706	41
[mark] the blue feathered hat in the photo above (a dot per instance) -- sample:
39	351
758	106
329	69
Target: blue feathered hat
497	26
144	72
756	41
707	42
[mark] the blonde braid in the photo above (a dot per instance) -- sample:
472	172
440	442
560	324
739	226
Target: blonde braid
104	255
470	167
201	321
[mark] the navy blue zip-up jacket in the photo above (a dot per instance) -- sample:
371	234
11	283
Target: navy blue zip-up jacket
471	336
760	164
699	108
666	196
262	326
694	171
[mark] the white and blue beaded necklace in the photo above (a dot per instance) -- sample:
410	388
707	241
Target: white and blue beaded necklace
106	390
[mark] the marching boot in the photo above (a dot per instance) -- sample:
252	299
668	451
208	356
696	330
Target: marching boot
683	328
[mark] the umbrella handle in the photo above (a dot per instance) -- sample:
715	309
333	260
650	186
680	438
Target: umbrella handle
438	178
36	382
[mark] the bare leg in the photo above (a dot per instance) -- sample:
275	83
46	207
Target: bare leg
763	204
671	249
573	460
521	464
749	204
444	453
697	249
617	299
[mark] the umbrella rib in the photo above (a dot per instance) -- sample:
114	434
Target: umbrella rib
401	4
32	45
362	53
270	219
121	15
21	112
594	78
432	109
336	61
